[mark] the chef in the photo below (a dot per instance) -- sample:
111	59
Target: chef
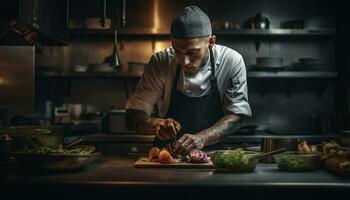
193	94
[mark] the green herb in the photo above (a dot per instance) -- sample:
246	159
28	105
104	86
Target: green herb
290	162
58	150
235	160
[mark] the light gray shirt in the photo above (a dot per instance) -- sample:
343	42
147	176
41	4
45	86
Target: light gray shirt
155	85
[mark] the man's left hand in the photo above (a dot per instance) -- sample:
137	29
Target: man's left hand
188	142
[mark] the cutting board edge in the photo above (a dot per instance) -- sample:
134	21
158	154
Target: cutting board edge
137	164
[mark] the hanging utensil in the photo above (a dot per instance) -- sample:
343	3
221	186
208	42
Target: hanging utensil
103	13
114	60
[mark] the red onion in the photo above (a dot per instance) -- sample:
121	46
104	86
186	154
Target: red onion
198	156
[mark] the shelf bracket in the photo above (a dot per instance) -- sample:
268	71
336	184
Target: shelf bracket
257	45
126	90
320	88
262	88
67	89
289	88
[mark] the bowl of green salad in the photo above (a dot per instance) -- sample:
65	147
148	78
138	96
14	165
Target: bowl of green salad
234	161
295	161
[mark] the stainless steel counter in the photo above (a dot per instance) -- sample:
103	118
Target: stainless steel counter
117	175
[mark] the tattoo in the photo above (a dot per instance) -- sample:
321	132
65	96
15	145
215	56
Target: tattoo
223	128
139	121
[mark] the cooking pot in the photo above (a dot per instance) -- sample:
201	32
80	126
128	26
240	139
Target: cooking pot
116	121
276	142
258	22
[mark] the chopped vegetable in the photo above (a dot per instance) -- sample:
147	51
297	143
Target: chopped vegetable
57	150
304	147
153	153
234	161
198	156
165	157
290	162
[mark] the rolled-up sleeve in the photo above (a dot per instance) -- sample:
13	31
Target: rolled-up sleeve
149	89
236	93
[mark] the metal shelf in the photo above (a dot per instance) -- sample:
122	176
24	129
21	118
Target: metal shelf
293	74
277	32
119	74
129	32
250	74
227	32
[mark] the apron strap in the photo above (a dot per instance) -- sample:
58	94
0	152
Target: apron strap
176	79
212	63
213	80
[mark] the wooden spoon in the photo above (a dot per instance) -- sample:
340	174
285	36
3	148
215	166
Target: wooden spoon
263	155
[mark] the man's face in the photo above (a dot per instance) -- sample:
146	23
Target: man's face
190	53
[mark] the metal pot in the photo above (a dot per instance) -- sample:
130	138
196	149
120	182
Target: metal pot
258	22
116	121
276	142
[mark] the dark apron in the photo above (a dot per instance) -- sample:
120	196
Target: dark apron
195	113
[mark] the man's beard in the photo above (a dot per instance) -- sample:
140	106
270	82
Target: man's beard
191	69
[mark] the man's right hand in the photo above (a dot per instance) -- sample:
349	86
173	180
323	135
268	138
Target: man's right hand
166	129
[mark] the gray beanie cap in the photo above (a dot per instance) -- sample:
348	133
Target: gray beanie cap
191	22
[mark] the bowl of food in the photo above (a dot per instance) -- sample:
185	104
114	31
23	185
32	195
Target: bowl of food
234	161
56	158
295	161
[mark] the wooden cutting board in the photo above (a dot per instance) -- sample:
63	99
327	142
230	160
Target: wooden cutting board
143	162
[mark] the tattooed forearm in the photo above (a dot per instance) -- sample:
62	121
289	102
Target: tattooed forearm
139	121
226	125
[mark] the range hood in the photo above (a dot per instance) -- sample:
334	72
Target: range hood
14	33
26	22
153	17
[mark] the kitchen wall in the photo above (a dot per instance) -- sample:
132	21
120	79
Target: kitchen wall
283	105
